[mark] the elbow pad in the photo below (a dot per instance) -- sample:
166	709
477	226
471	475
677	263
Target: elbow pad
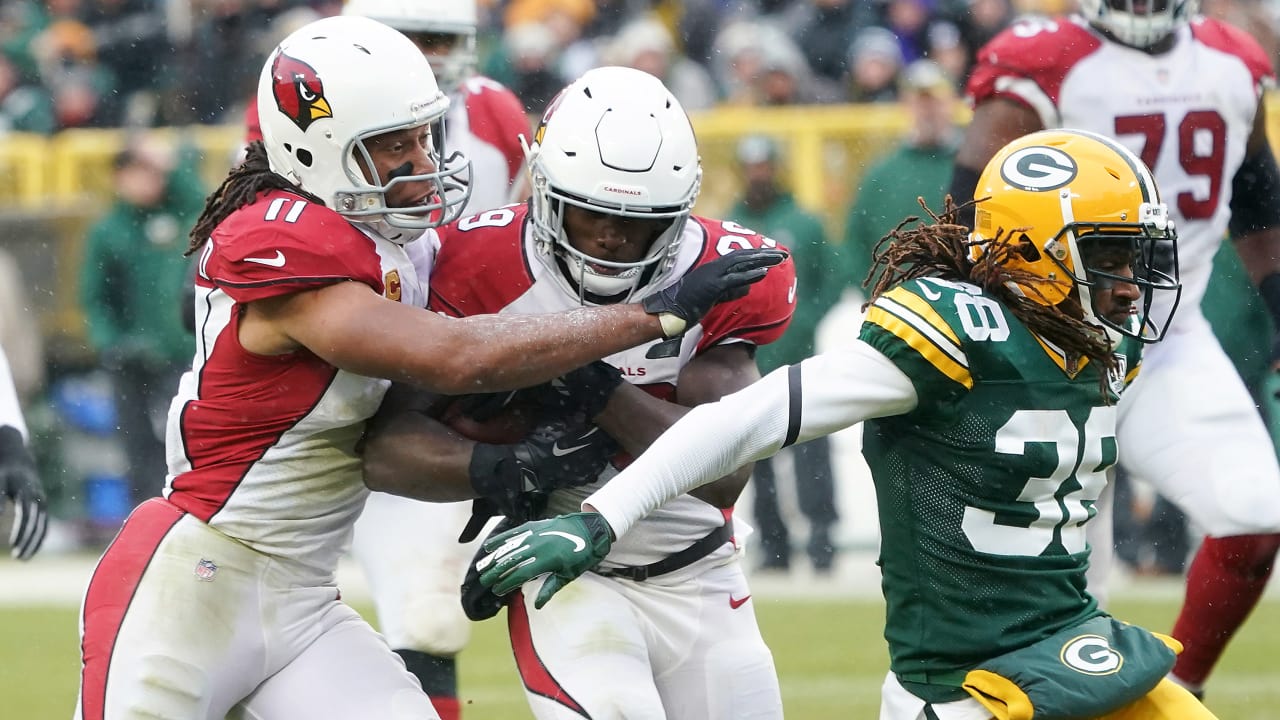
1255	194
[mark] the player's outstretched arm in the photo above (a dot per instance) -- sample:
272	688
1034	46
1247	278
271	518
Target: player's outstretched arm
792	404
353	328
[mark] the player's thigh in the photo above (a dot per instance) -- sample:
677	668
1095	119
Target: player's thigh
171	626
348	673
896	703
710	659
584	654
411	556
1188	427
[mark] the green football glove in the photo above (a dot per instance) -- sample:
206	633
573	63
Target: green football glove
563	547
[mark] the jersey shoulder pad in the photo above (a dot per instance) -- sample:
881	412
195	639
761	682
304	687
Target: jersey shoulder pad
497	117
1038	50
763	314
282	244
481	266
917	326
1229	39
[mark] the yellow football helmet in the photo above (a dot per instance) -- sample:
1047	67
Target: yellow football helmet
1064	194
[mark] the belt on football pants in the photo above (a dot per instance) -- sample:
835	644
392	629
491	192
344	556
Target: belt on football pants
675	561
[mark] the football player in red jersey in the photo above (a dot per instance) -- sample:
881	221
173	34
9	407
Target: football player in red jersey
1185	93
408	549
615	173
219	598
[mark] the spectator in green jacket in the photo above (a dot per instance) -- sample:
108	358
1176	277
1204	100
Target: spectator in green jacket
130	288
769	209
919	167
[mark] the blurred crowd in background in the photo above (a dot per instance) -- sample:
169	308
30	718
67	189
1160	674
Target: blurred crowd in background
106	63
138	64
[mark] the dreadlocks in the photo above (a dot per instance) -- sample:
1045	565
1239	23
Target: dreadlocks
940	248
241	187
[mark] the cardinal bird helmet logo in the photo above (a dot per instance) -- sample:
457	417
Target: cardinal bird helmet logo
299	92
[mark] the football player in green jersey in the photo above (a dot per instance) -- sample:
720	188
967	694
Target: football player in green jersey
988	369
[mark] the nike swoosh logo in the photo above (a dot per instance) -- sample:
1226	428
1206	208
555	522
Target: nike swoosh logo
791	294
558	451
931	294
735	603
578	543
277	261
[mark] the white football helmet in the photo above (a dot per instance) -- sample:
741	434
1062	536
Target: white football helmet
1140	28
328	87
614	141
455	19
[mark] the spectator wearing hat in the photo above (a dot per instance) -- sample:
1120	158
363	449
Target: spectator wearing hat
920	166
875	58
766	207
646	44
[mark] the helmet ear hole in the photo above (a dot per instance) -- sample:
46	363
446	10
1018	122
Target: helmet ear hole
304	156
1027	249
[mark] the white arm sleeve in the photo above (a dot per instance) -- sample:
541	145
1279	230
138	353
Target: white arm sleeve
10	411
816	397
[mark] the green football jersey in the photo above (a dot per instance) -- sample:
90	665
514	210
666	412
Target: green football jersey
984	489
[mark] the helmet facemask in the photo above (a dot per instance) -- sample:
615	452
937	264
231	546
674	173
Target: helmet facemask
368	203
1139	23
551	237
1096	253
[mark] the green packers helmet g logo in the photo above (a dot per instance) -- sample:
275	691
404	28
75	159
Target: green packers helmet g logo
1091	655
1038	168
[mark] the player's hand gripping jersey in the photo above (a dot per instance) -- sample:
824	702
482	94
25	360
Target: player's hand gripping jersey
260	447
1187	113
959	529
486	264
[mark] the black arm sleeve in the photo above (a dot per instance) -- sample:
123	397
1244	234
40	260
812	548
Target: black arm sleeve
964	181
1255	194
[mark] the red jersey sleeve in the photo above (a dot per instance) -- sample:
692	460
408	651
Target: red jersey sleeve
1234	41
763	314
498	118
283	244
481	266
1038	50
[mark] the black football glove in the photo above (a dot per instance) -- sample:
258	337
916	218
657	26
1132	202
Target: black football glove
478	601
728	277
584	391
20	485
554	455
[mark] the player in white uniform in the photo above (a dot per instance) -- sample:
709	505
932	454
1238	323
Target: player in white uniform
19	483
615	170
408	549
220	597
1185	94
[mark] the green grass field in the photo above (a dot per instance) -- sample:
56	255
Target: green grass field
830	657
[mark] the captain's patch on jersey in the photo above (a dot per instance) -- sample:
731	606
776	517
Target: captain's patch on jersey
1038	168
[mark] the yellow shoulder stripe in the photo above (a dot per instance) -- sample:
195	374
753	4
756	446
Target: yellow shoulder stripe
927	348
917	305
